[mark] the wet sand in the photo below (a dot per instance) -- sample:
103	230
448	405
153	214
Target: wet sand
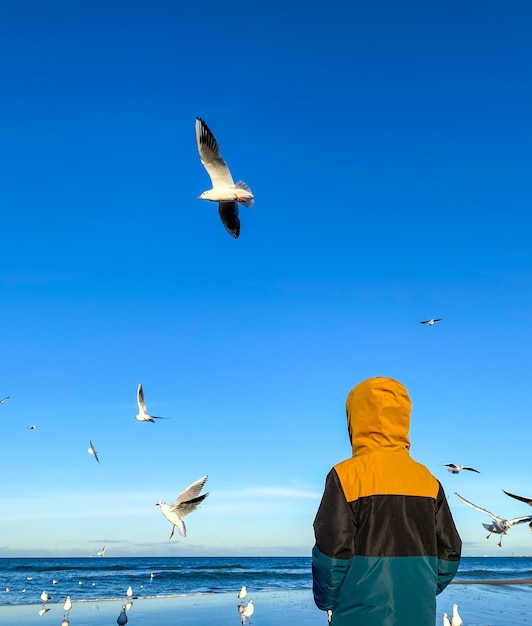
482	603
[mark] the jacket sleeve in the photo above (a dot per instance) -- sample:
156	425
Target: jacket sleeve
448	542
334	530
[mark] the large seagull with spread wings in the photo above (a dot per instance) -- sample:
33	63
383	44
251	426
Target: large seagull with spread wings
224	190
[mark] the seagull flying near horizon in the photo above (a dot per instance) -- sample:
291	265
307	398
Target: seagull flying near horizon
521	498
92	450
143	415
224	190
187	501
456	469
102	551
431	322
499	526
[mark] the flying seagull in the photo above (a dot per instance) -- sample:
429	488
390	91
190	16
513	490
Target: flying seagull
499	526
521	498
92	450
431	322
32	427
187	501
143	415
102	551
456	469
4	399
224	190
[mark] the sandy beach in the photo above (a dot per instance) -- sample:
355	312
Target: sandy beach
480	605
271	608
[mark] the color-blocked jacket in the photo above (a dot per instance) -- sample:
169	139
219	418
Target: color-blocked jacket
386	543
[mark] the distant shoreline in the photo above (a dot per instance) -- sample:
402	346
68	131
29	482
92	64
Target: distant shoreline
501	581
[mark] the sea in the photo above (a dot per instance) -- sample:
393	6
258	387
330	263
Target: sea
475	587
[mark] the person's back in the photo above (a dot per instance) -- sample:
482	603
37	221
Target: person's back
386	543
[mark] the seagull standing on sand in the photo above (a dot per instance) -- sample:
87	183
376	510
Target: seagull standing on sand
242	594
129	592
122	618
247	612
456	620
143	415
187	501
446	621
456	469
92	450
431	322
499	526
521	498
67	606
45	597
224	190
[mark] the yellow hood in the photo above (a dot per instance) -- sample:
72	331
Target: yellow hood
378	416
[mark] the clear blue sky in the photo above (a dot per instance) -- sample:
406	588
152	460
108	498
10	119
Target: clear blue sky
388	148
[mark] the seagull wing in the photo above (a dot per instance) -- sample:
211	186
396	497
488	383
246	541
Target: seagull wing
94	452
184	508
210	156
470	469
228	212
519	520
192	491
521	498
493	517
140	399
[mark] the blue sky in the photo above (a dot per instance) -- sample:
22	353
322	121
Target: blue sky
388	148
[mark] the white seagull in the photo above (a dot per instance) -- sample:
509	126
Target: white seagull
92	450
224	190
143	415
4	399
456	620
45	597
187	501
102	551
521	498
499	526
431	322
32	427
242	594
456	469
446	621
67	606
129	592
247	611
